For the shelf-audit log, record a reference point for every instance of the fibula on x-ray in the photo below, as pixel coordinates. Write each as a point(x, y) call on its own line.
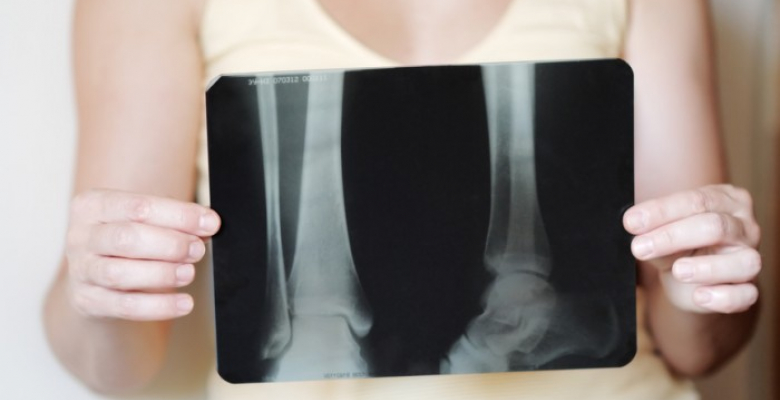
point(408, 221)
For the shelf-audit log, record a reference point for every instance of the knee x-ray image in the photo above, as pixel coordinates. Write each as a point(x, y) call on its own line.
point(422, 220)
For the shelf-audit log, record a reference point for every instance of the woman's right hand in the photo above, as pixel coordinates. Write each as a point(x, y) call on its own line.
point(127, 253)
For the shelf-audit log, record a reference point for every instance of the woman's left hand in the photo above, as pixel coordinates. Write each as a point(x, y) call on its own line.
point(703, 243)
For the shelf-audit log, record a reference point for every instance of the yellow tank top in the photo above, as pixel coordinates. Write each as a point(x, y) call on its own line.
point(240, 36)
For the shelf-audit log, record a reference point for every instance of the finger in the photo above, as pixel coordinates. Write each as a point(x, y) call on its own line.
point(128, 274)
point(145, 242)
point(136, 306)
point(726, 298)
point(107, 206)
point(695, 232)
point(652, 214)
point(737, 267)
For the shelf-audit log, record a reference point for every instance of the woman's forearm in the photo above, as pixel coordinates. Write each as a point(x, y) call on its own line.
point(693, 344)
point(695, 237)
point(108, 355)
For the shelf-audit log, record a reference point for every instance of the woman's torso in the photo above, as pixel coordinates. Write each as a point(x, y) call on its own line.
point(269, 35)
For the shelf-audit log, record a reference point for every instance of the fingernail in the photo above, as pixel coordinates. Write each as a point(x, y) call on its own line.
point(197, 250)
point(185, 273)
point(643, 247)
point(635, 220)
point(209, 222)
point(683, 270)
point(184, 304)
point(702, 297)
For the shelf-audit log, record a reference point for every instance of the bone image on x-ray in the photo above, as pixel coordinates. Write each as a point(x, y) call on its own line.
point(316, 315)
point(519, 300)
point(315, 322)
point(525, 323)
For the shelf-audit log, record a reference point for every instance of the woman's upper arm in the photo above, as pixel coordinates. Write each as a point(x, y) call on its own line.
point(138, 74)
point(678, 144)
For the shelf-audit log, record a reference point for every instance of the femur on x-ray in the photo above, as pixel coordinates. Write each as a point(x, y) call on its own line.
point(401, 229)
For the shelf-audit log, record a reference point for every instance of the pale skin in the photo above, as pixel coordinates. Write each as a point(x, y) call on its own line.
point(134, 233)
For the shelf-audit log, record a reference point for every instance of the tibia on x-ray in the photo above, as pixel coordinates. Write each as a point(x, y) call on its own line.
point(275, 317)
point(327, 304)
point(519, 301)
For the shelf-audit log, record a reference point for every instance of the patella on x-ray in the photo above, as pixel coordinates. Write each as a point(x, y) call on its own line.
point(425, 220)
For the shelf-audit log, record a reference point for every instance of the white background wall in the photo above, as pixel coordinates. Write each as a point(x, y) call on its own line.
point(36, 146)
point(37, 140)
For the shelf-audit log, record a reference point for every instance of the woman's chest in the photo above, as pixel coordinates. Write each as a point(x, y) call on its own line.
point(417, 31)
point(267, 35)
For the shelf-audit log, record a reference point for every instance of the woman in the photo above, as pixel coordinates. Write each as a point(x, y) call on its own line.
point(141, 67)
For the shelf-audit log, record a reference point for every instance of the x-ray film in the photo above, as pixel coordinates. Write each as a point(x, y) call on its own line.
point(422, 220)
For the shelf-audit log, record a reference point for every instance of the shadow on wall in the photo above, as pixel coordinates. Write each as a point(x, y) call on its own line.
point(747, 38)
